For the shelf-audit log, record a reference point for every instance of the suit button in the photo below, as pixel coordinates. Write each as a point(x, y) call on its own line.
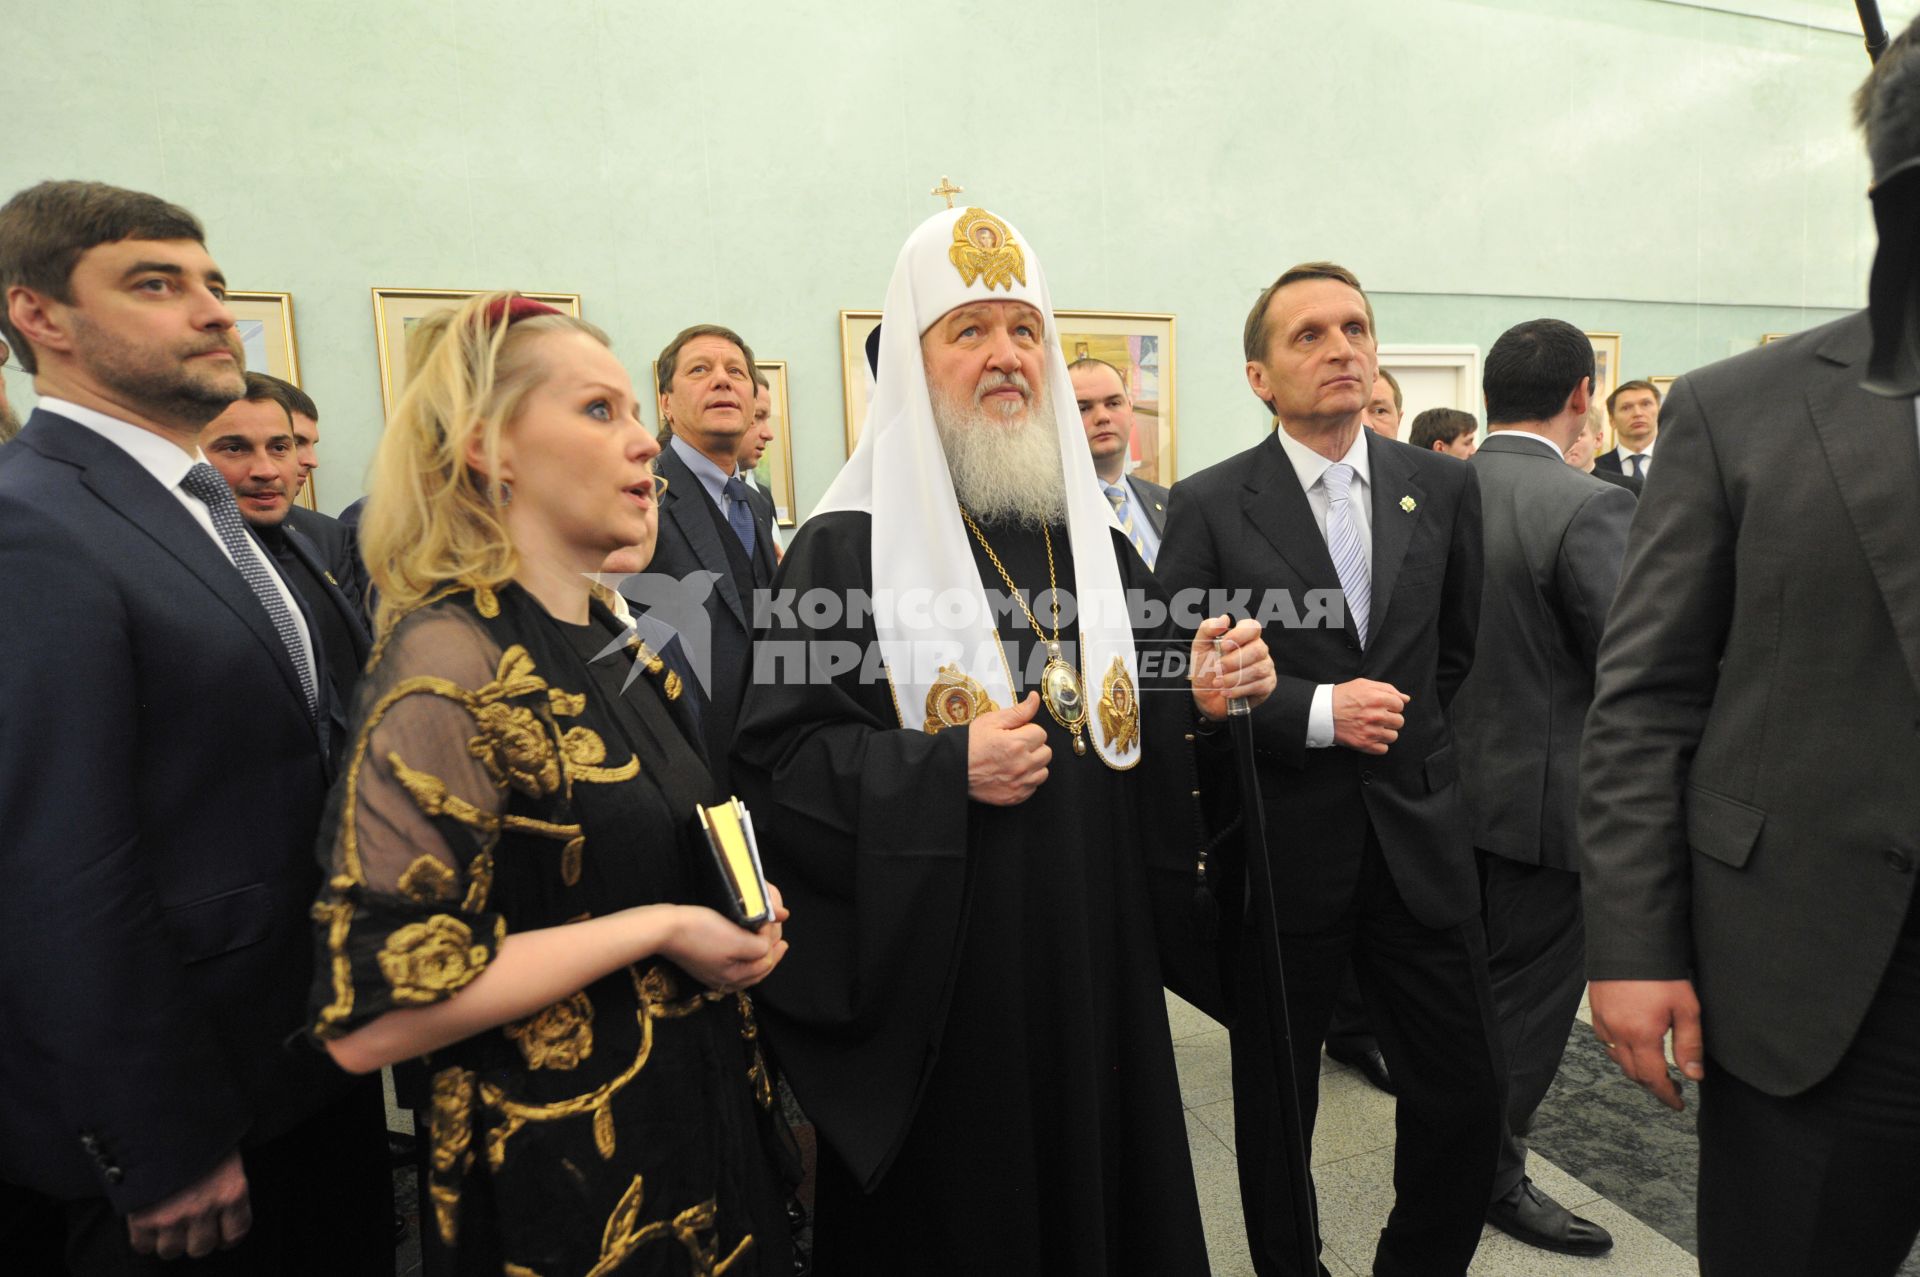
point(1899, 861)
point(88, 1142)
point(114, 1175)
point(1366, 777)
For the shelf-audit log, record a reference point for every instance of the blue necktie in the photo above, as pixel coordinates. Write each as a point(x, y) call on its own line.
point(1639, 460)
point(739, 513)
point(203, 481)
point(1343, 543)
point(1117, 498)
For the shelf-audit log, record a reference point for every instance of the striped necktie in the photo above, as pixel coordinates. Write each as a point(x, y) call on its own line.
point(1343, 543)
point(1123, 510)
point(206, 483)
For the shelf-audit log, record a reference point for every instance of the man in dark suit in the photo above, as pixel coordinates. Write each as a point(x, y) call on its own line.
point(708, 520)
point(753, 446)
point(252, 444)
point(1634, 410)
point(9, 420)
point(334, 538)
point(163, 760)
point(1554, 541)
point(1372, 862)
point(1106, 413)
point(1750, 822)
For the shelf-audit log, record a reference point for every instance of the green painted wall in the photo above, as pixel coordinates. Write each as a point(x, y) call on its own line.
point(1477, 162)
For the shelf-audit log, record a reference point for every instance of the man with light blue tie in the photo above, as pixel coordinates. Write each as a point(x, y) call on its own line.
point(708, 520)
point(1106, 411)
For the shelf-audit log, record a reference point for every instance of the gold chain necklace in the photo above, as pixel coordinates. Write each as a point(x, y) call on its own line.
point(1060, 688)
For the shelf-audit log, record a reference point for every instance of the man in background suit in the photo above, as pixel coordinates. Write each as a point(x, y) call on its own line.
point(9, 420)
point(1386, 406)
point(163, 761)
point(252, 444)
point(708, 520)
point(1106, 413)
point(1634, 409)
point(334, 538)
point(753, 446)
point(1372, 862)
point(1554, 541)
point(1750, 822)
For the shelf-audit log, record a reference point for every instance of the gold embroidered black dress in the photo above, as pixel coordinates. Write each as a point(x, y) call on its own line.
point(498, 783)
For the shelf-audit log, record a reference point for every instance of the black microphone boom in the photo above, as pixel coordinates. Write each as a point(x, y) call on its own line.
point(1875, 29)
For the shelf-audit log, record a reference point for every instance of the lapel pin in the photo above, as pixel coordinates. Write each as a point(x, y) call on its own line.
point(1407, 504)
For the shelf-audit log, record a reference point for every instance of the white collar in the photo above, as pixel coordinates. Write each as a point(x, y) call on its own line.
point(1507, 432)
point(1309, 466)
point(157, 455)
point(1625, 452)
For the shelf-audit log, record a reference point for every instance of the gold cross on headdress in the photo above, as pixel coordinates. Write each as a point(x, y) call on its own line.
point(947, 188)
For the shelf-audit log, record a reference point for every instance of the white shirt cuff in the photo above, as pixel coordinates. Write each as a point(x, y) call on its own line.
point(1320, 718)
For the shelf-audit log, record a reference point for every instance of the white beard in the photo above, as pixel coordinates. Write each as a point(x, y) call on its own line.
point(1005, 462)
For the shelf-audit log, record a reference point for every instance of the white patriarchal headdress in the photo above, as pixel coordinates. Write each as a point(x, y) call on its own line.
point(898, 473)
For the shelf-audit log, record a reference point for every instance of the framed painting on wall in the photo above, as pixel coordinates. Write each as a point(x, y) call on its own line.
point(1664, 385)
point(856, 377)
point(1606, 363)
point(264, 324)
point(1767, 339)
point(774, 474)
point(1140, 345)
point(397, 310)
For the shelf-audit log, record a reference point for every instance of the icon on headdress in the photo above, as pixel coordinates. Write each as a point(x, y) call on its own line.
point(983, 249)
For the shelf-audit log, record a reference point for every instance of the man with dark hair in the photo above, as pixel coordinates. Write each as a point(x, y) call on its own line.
point(1634, 409)
point(1447, 430)
point(709, 521)
point(1749, 824)
point(1106, 414)
point(1385, 406)
point(334, 538)
point(1358, 768)
point(9, 420)
point(753, 446)
point(253, 446)
point(163, 761)
point(1554, 539)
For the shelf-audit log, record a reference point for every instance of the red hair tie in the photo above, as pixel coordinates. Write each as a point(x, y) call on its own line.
point(515, 308)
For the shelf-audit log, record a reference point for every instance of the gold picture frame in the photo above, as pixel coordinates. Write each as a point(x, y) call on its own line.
point(395, 308)
point(1767, 339)
point(774, 474)
point(264, 323)
point(1143, 345)
point(1606, 363)
point(1663, 386)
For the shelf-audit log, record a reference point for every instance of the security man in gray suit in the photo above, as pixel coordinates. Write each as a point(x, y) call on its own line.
point(1554, 541)
point(1750, 821)
point(1106, 412)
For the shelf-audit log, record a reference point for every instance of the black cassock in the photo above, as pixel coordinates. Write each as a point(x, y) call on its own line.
point(971, 1011)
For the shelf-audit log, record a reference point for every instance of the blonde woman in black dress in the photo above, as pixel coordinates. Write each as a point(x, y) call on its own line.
point(516, 892)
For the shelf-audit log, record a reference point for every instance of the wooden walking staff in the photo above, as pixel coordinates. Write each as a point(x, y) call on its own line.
point(1306, 1226)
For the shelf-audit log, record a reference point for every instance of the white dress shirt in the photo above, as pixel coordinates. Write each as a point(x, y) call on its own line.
point(168, 464)
point(1311, 469)
point(1626, 466)
point(1506, 432)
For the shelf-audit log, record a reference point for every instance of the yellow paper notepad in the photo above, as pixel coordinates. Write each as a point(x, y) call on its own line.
point(729, 830)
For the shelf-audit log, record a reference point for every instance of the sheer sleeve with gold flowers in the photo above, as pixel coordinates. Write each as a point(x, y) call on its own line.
point(442, 737)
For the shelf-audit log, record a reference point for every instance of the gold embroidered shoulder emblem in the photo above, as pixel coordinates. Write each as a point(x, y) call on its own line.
point(983, 249)
point(1119, 709)
point(954, 699)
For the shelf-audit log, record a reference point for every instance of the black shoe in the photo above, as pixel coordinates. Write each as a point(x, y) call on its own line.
point(1529, 1215)
point(1372, 1064)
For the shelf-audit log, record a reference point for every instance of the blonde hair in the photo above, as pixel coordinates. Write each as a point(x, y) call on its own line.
point(432, 520)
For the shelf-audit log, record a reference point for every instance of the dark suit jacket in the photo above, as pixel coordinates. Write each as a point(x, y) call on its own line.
point(1153, 498)
point(339, 551)
point(352, 619)
point(1609, 461)
point(1617, 479)
point(1554, 540)
point(690, 542)
point(1750, 815)
point(160, 790)
point(1245, 525)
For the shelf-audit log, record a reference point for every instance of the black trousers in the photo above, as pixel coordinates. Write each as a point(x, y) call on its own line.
point(1349, 1030)
point(1428, 998)
point(322, 1200)
point(1536, 961)
point(1827, 1181)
